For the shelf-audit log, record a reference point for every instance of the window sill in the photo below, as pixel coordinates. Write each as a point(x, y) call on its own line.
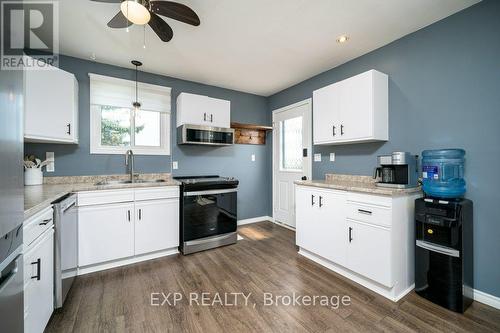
point(136, 151)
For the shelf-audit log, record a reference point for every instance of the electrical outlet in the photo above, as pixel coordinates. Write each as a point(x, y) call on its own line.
point(332, 157)
point(175, 165)
point(317, 157)
point(253, 157)
point(49, 156)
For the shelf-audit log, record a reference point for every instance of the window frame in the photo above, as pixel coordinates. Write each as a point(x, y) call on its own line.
point(95, 126)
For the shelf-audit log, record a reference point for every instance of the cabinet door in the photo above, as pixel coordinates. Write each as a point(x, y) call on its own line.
point(369, 252)
point(305, 218)
point(156, 225)
point(219, 112)
point(332, 239)
point(105, 232)
point(191, 109)
point(356, 105)
point(321, 223)
point(39, 283)
point(326, 113)
point(50, 106)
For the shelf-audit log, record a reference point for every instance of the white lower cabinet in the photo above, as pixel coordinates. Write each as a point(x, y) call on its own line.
point(320, 223)
point(105, 232)
point(369, 251)
point(113, 233)
point(156, 225)
point(365, 237)
point(39, 282)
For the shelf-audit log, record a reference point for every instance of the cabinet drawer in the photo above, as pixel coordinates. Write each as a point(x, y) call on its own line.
point(105, 197)
point(369, 213)
point(37, 224)
point(165, 192)
point(370, 199)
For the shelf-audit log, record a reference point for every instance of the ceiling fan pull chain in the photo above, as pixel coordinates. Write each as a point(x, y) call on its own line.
point(144, 38)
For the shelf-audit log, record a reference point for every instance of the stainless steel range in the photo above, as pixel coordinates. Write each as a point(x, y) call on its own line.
point(208, 212)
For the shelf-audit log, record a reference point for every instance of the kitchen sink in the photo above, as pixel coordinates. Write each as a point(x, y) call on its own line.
point(136, 181)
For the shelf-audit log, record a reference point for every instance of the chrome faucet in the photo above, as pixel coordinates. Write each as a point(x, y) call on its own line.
point(129, 161)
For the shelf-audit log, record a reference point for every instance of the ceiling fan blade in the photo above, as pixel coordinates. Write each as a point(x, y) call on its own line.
point(161, 28)
point(176, 11)
point(108, 1)
point(119, 21)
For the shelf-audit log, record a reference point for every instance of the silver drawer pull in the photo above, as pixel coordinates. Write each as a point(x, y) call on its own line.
point(363, 211)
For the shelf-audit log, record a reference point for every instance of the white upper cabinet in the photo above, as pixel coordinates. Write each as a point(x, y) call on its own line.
point(201, 110)
point(51, 106)
point(352, 110)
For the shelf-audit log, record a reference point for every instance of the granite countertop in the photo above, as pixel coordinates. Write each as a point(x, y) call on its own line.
point(362, 184)
point(38, 197)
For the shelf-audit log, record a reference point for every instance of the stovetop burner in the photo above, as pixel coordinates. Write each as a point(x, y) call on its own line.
point(191, 183)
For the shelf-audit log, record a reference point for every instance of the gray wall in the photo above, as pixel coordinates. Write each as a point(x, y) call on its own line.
point(444, 91)
point(193, 160)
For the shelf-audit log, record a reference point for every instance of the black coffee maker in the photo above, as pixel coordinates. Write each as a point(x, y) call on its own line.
point(398, 170)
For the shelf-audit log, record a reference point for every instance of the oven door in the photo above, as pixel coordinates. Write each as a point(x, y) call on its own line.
point(209, 213)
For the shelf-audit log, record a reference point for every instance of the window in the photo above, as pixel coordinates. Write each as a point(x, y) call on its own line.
point(291, 141)
point(117, 127)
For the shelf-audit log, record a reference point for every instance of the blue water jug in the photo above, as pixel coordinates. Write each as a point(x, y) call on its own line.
point(443, 173)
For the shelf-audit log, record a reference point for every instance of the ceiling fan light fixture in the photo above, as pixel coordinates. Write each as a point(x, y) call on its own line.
point(342, 39)
point(135, 11)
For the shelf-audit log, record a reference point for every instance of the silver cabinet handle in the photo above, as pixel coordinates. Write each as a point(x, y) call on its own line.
point(333, 130)
point(363, 211)
point(320, 201)
point(205, 116)
point(140, 214)
point(211, 118)
point(350, 234)
point(312, 200)
point(69, 129)
point(128, 215)
point(341, 129)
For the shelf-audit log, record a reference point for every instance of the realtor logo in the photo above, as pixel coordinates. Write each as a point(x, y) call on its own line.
point(29, 28)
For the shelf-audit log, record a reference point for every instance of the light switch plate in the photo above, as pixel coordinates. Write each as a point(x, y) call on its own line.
point(175, 165)
point(253, 157)
point(332, 157)
point(317, 157)
point(50, 157)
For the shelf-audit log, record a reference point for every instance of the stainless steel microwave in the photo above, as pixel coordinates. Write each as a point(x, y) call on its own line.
point(204, 135)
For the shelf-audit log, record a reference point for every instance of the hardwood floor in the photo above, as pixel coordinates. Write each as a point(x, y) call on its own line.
point(266, 261)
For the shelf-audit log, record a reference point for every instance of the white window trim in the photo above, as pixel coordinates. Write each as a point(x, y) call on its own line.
point(165, 127)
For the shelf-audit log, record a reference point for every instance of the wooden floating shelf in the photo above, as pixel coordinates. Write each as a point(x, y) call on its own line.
point(250, 134)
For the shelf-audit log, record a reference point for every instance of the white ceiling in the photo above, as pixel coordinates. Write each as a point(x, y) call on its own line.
point(257, 46)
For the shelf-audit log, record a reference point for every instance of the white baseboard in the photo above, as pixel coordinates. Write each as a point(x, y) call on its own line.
point(482, 297)
point(254, 220)
point(283, 225)
point(126, 261)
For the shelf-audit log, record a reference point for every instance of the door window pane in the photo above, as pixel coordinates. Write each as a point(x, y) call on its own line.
point(291, 144)
point(147, 128)
point(115, 126)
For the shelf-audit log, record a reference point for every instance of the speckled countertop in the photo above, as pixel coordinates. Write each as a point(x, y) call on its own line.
point(362, 184)
point(38, 197)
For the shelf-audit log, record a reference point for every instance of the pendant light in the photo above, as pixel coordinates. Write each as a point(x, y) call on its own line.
point(136, 104)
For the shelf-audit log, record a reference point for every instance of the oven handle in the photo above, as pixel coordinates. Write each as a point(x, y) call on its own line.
point(192, 194)
point(438, 248)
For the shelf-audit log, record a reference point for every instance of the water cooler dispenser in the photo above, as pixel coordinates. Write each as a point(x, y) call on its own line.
point(444, 232)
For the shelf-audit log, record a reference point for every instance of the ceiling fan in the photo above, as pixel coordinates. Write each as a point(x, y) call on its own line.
point(143, 12)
